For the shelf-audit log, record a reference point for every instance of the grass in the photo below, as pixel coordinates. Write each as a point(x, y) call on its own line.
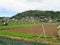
point(13, 24)
point(18, 34)
point(58, 39)
point(22, 35)
point(59, 32)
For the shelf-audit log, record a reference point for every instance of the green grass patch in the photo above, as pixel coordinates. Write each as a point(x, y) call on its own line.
point(58, 32)
point(18, 24)
point(58, 39)
point(45, 37)
point(23, 35)
point(18, 34)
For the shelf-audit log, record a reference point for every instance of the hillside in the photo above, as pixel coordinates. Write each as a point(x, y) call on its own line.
point(37, 14)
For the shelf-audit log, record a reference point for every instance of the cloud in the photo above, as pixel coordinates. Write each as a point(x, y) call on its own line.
point(19, 5)
point(52, 3)
point(16, 6)
point(31, 1)
point(22, 5)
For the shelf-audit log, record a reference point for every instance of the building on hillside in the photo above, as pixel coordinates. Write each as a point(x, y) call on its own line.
point(5, 20)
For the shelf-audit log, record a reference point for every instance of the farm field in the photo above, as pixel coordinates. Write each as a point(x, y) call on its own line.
point(31, 30)
point(50, 29)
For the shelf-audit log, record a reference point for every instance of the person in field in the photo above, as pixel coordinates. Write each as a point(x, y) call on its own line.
point(5, 23)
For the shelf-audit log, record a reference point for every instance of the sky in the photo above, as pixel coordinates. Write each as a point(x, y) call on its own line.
point(9, 8)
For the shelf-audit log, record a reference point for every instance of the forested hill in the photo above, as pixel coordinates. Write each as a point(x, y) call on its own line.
point(39, 14)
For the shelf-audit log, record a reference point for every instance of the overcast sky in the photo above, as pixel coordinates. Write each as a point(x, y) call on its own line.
point(11, 7)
